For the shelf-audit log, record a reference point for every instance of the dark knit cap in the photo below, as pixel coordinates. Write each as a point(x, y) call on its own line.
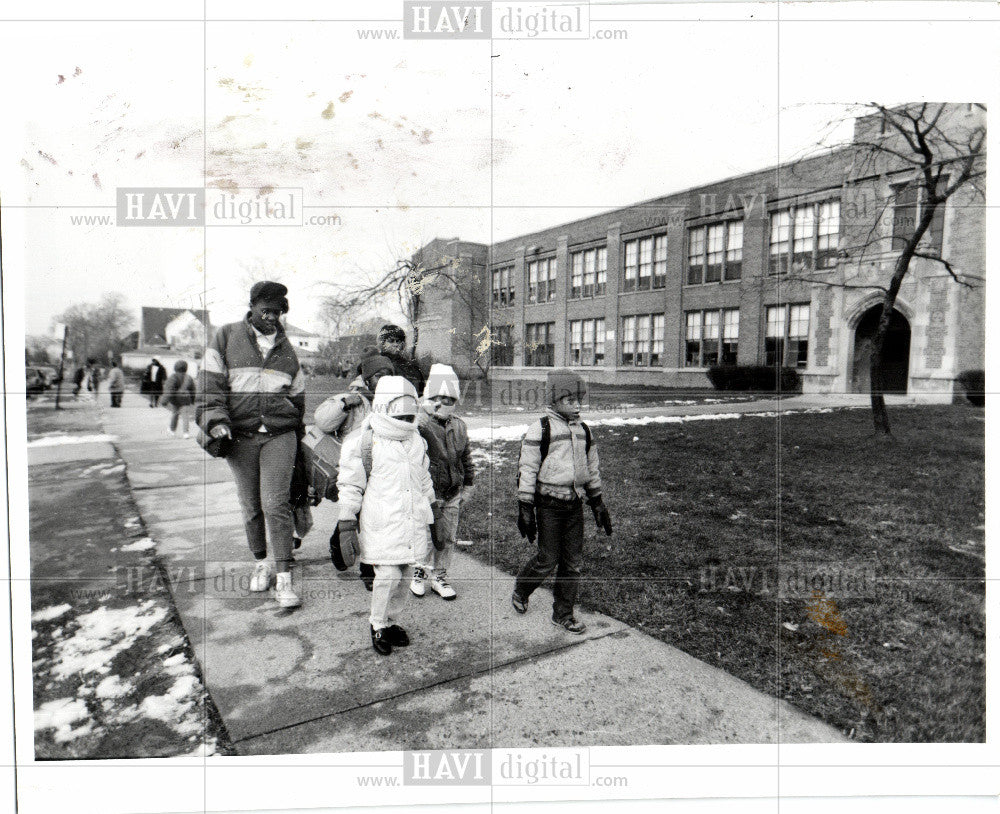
point(181, 366)
point(374, 364)
point(562, 383)
point(391, 333)
point(267, 290)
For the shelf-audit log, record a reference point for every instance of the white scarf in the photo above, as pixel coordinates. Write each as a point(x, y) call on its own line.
point(385, 426)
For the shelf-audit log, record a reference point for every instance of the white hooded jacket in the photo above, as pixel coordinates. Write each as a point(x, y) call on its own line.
point(393, 505)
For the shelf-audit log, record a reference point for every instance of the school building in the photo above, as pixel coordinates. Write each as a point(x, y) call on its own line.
point(777, 267)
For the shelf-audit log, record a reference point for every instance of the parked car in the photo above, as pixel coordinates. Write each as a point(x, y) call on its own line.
point(35, 383)
point(50, 374)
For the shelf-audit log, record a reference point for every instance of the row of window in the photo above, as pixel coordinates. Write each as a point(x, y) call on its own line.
point(802, 238)
point(711, 337)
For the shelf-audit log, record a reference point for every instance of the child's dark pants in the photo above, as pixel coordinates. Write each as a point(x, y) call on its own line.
point(560, 549)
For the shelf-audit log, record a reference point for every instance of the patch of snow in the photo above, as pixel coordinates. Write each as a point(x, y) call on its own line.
point(58, 440)
point(144, 544)
point(204, 749)
point(60, 714)
point(48, 614)
point(176, 641)
point(102, 635)
point(176, 706)
point(174, 660)
point(112, 687)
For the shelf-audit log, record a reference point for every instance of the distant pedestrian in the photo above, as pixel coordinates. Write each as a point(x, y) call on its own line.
point(451, 468)
point(116, 384)
point(95, 376)
point(392, 344)
point(179, 395)
point(558, 466)
point(387, 507)
point(252, 390)
point(153, 379)
point(79, 376)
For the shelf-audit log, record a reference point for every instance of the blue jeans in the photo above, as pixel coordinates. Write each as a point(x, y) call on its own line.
point(262, 467)
point(560, 549)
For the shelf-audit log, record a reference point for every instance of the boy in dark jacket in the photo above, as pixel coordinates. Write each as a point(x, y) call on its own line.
point(178, 395)
point(451, 468)
point(552, 483)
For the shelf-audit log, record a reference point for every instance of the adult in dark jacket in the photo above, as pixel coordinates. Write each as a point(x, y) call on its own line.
point(153, 379)
point(251, 389)
point(392, 344)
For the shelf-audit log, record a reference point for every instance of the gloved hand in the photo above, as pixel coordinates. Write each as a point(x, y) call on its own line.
point(601, 515)
point(348, 530)
point(221, 431)
point(437, 539)
point(526, 520)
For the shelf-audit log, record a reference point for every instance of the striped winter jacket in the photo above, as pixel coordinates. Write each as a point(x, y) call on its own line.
point(568, 470)
point(239, 387)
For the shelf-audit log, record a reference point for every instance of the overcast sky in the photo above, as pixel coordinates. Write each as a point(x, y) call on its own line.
point(403, 140)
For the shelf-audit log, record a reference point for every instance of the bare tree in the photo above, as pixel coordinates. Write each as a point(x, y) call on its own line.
point(98, 330)
point(933, 156)
point(406, 286)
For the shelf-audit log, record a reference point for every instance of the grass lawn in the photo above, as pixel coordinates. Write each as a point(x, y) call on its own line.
point(855, 591)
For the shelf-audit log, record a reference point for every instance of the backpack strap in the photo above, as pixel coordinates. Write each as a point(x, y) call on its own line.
point(587, 435)
point(546, 438)
point(366, 450)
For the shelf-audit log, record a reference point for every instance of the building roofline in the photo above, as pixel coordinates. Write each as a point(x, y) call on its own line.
point(659, 199)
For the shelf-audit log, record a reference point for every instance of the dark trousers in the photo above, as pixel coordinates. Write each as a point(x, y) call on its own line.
point(116, 398)
point(560, 549)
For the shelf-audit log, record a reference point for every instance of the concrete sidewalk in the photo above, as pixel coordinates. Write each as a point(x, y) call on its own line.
point(476, 675)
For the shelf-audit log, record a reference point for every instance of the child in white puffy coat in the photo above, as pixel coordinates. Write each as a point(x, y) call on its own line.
point(388, 512)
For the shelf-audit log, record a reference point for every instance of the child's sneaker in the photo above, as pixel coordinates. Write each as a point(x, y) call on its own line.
point(520, 603)
point(380, 641)
point(417, 587)
point(261, 579)
point(441, 586)
point(396, 635)
point(283, 592)
point(570, 623)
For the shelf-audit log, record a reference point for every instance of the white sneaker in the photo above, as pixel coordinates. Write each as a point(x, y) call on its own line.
point(261, 579)
point(283, 592)
point(417, 583)
point(442, 587)
point(187, 435)
point(171, 433)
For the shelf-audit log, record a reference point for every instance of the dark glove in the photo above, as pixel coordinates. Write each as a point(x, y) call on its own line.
point(601, 515)
point(437, 539)
point(352, 400)
point(349, 536)
point(526, 520)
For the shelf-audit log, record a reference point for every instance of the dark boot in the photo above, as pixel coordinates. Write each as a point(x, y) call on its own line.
point(397, 636)
point(380, 641)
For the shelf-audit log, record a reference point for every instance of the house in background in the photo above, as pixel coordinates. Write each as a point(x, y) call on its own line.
point(170, 334)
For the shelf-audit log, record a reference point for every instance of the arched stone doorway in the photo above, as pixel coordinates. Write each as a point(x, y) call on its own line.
point(896, 354)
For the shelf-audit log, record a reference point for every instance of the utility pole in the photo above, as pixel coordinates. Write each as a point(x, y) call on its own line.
point(62, 361)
